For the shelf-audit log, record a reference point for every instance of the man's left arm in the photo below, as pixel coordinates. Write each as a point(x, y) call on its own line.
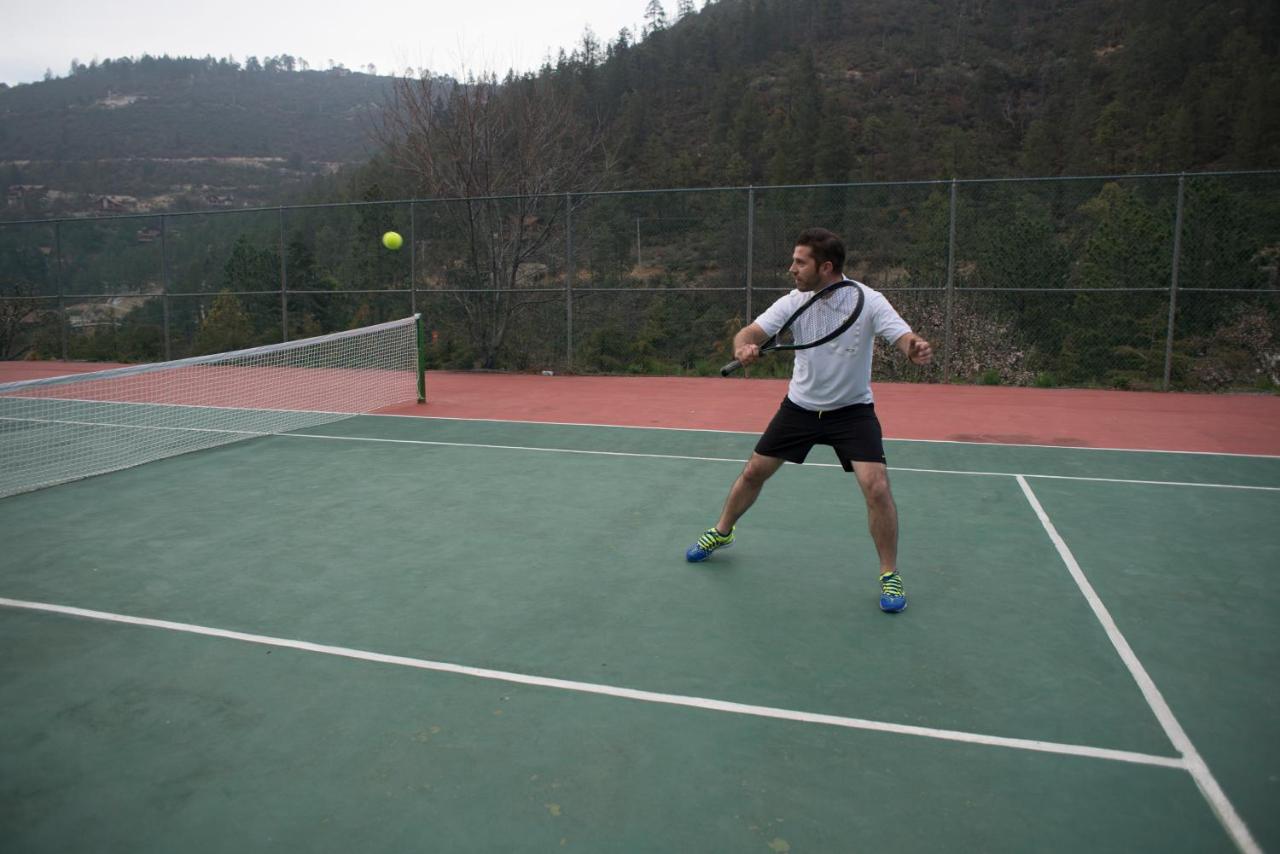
point(915, 348)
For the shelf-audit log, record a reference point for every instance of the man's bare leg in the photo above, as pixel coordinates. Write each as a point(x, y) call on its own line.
point(743, 493)
point(882, 513)
point(882, 519)
point(746, 489)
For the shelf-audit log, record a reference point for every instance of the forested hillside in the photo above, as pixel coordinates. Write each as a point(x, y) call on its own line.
point(181, 133)
point(739, 92)
point(176, 108)
point(782, 91)
point(524, 252)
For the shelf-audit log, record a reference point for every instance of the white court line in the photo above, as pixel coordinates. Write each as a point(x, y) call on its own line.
point(1144, 482)
point(614, 691)
point(159, 405)
point(690, 429)
point(67, 423)
point(757, 432)
point(740, 461)
point(253, 433)
point(1195, 764)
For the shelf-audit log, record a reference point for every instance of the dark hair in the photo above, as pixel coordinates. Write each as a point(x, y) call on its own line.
point(825, 247)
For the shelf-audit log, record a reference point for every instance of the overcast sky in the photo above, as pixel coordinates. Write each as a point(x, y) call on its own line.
point(480, 35)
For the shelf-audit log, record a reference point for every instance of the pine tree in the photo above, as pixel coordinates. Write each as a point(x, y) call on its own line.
point(1040, 151)
point(747, 132)
point(655, 17)
point(804, 115)
point(833, 154)
point(226, 326)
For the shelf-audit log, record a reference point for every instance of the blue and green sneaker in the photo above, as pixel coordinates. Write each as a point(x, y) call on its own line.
point(892, 598)
point(707, 543)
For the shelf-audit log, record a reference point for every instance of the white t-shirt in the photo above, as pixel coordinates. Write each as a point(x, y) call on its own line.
point(837, 373)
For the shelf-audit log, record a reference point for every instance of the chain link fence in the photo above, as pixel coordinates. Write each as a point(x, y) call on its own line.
point(1154, 281)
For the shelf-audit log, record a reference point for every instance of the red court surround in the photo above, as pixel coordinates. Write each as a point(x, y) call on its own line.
point(1225, 423)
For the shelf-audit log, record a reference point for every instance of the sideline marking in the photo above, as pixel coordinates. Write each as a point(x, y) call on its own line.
point(741, 461)
point(614, 691)
point(757, 433)
point(1195, 764)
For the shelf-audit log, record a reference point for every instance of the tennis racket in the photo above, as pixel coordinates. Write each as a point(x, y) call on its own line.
point(824, 316)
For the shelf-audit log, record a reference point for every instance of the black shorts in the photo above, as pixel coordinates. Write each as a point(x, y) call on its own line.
point(854, 432)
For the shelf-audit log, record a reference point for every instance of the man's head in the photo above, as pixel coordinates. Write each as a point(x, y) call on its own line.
point(817, 260)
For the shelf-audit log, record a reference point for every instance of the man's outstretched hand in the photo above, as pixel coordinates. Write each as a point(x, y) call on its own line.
point(919, 351)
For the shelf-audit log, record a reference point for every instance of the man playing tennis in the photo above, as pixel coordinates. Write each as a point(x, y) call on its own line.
point(828, 402)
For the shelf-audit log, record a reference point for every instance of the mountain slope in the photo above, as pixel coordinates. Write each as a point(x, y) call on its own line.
point(740, 92)
point(165, 131)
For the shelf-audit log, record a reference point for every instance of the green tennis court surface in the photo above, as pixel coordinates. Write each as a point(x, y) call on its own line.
point(263, 649)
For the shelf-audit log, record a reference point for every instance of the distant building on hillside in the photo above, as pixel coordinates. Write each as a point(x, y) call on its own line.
point(115, 204)
point(19, 192)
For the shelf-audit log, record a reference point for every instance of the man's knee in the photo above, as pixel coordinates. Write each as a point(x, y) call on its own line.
point(875, 486)
point(759, 469)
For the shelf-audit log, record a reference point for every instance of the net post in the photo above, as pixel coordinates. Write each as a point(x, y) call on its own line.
point(422, 357)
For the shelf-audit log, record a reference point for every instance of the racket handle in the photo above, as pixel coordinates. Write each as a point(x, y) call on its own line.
point(730, 368)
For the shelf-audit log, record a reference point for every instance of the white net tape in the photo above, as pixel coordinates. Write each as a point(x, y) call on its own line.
point(65, 428)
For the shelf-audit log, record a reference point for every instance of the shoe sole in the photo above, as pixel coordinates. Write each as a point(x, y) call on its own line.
point(894, 610)
point(708, 554)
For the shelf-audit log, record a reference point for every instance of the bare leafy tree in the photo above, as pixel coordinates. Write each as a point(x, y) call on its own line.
point(21, 315)
point(506, 154)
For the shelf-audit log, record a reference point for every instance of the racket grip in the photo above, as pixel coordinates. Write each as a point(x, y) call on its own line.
point(730, 368)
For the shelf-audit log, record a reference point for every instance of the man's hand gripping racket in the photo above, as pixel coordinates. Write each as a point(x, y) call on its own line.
point(822, 317)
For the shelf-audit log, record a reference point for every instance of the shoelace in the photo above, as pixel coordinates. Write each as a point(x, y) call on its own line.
point(711, 539)
point(891, 584)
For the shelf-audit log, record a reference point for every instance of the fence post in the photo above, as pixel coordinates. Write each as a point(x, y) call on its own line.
point(951, 273)
point(1173, 281)
point(413, 259)
point(751, 232)
point(164, 284)
point(284, 284)
point(569, 274)
point(62, 301)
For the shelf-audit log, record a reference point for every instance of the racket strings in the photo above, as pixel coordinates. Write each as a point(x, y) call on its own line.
point(825, 316)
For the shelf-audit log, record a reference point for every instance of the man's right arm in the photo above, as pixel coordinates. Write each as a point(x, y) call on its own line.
point(746, 344)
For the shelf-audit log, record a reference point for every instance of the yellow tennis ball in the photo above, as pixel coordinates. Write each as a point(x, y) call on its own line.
point(392, 240)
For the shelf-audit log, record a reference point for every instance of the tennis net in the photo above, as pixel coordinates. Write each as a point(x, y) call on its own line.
point(65, 428)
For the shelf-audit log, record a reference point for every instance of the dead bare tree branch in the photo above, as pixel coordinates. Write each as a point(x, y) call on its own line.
point(501, 157)
point(22, 313)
